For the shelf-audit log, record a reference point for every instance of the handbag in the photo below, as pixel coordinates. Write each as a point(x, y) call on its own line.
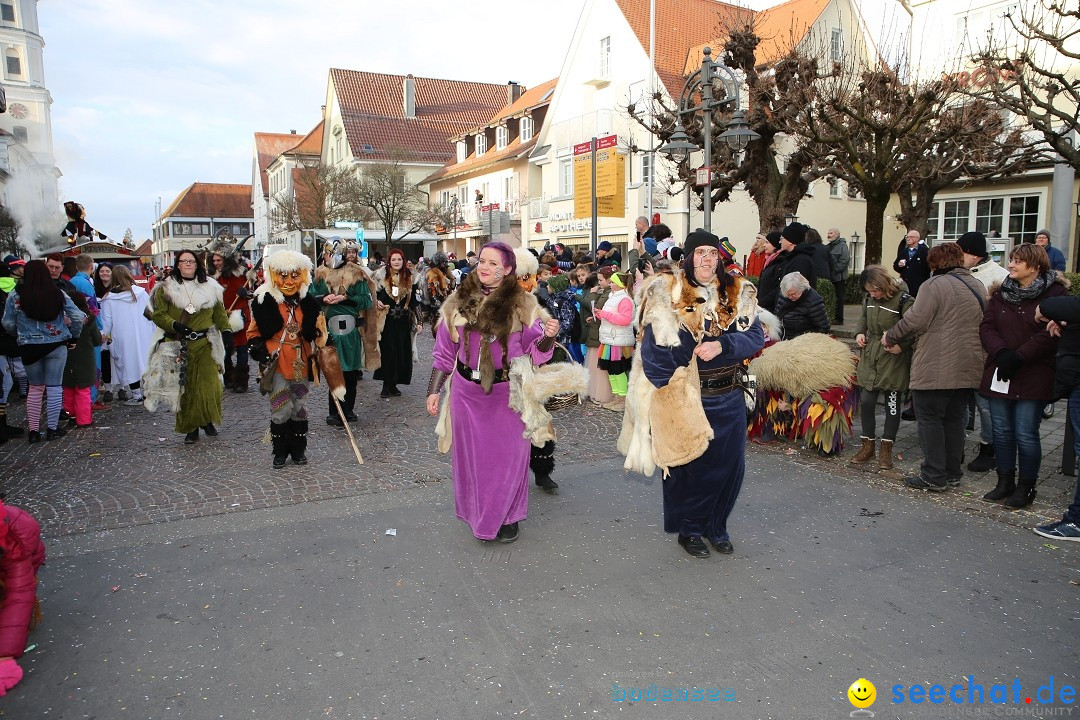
point(680, 430)
point(266, 375)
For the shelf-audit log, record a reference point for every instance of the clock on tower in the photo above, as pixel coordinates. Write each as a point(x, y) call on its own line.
point(18, 111)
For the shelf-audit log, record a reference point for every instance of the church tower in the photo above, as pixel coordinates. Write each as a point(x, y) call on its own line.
point(26, 143)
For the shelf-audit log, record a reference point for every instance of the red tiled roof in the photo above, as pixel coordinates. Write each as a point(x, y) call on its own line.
point(312, 142)
point(146, 249)
point(267, 147)
point(212, 200)
point(528, 100)
point(372, 109)
point(680, 24)
point(780, 28)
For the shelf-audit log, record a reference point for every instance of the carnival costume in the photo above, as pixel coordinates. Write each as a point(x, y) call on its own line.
point(687, 415)
point(77, 227)
point(438, 284)
point(397, 320)
point(282, 334)
point(352, 324)
point(486, 346)
point(235, 297)
point(187, 355)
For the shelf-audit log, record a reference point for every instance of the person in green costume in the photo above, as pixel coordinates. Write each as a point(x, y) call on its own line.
point(187, 359)
point(346, 294)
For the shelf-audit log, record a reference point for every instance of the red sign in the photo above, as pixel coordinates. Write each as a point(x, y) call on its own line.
point(583, 148)
point(608, 141)
point(492, 206)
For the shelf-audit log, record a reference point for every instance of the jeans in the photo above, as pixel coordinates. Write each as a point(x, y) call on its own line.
point(940, 419)
point(1016, 432)
point(868, 410)
point(1073, 513)
point(49, 370)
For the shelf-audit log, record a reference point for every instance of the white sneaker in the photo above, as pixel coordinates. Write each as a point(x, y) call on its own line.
point(136, 399)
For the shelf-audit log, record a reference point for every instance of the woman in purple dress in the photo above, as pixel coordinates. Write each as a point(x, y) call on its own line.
point(488, 322)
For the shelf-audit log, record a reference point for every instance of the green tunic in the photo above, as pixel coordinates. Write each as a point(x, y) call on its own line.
point(200, 399)
point(350, 348)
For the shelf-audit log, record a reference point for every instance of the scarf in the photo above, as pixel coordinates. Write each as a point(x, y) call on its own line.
point(1011, 292)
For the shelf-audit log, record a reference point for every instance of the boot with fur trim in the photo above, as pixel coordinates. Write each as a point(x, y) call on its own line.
point(280, 440)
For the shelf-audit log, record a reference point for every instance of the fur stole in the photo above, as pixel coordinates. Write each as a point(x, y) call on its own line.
point(439, 283)
point(341, 279)
point(267, 321)
point(506, 310)
point(338, 281)
point(382, 280)
point(801, 367)
point(203, 295)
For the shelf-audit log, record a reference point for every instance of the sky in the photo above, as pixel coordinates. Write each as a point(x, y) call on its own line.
point(149, 97)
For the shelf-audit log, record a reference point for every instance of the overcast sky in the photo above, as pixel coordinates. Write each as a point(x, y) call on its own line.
point(149, 97)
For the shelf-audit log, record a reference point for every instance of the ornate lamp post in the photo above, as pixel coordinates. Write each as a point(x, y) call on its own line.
point(737, 134)
point(855, 240)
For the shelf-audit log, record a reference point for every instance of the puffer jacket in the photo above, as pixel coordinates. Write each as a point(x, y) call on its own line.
point(945, 319)
point(1067, 366)
point(805, 315)
point(37, 332)
point(879, 369)
point(21, 554)
point(616, 319)
point(1010, 326)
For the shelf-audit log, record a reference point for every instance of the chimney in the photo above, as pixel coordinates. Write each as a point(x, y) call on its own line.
point(292, 132)
point(513, 92)
point(409, 96)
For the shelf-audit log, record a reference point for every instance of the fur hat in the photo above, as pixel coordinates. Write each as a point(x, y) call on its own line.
point(794, 233)
point(527, 264)
point(973, 243)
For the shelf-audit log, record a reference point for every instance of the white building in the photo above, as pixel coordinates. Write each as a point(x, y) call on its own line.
point(198, 214)
point(607, 65)
point(28, 172)
point(268, 147)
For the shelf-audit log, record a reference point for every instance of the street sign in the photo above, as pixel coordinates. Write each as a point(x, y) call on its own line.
point(346, 224)
point(703, 176)
point(307, 238)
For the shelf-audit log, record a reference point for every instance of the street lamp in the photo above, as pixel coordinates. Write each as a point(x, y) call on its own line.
point(737, 133)
point(790, 218)
point(855, 240)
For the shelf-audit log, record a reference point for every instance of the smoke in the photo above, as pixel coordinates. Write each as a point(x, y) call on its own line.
point(30, 197)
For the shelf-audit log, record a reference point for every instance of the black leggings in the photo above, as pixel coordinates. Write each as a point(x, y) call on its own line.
point(868, 411)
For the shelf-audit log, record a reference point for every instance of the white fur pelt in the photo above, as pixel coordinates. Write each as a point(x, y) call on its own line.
point(810, 363)
point(635, 437)
point(531, 387)
point(774, 329)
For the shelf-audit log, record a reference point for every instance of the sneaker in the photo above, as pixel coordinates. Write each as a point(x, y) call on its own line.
point(100, 407)
point(1061, 530)
point(917, 482)
point(1048, 411)
point(955, 482)
point(134, 400)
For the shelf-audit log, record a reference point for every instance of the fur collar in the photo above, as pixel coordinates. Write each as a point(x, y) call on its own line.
point(669, 303)
point(506, 310)
point(339, 280)
point(202, 295)
point(382, 279)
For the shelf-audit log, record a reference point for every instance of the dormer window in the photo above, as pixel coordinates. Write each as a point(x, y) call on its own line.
point(502, 137)
point(481, 144)
point(525, 129)
point(462, 151)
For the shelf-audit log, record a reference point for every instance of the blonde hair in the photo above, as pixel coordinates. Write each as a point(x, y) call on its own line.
point(122, 280)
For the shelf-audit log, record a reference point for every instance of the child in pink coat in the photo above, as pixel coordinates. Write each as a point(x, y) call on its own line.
point(21, 554)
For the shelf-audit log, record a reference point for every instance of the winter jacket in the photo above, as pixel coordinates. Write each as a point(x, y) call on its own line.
point(1010, 326)
point(612, 258)
point(81, 369)
point(617, 318)
point(841, 259)
point(755, 263)
point(21, 554)
point(37, 332)
point(822, 262)
point(916, 269)
point(590, 331)
point(769, 282)
point(1057, 259)
point(1065, 309)
point(945, 319)
point(805, 315)
point(879, 369)
point(563, 307)
point(989, 273)
point(800, 260)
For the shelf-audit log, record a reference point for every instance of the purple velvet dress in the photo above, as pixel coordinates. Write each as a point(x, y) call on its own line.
point(489, 453)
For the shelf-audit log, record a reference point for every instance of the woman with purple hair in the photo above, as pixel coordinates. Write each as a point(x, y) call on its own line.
point(488, 322)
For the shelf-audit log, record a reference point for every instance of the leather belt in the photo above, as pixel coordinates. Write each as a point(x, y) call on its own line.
point(466, 372)
point(719, 382)
point(191, 335)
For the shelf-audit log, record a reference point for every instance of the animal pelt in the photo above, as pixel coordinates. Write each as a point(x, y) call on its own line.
point(203, 295)
point(506, 310)
point(439, 284)
point(774, 329)
point(339, 280)
point(669, 302)
point(680, 430)
point(330, 367)
point(531, 387)
point(160, 382)
point(808, 364)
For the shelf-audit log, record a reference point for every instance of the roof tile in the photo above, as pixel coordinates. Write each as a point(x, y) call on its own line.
point(212, 200)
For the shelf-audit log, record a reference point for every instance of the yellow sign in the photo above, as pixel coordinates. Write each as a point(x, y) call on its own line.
point(610, 184)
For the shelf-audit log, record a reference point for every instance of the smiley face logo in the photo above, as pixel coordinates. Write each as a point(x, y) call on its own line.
point(862, 693)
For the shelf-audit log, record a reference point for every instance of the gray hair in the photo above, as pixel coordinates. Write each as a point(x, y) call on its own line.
point(794, 281)
point(644, 219)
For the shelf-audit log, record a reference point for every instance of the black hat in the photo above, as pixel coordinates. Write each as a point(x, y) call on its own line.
point(794, 233)
point(774, 239)
point(700, 238)
point(973, 243)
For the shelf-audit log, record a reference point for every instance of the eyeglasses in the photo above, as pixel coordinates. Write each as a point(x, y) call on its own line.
point(185, 262)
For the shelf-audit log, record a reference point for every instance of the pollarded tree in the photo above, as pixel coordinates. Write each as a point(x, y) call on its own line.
point(321, 195)
point(397, 204)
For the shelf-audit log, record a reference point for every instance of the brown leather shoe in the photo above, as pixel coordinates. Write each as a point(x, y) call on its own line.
point(865, 452)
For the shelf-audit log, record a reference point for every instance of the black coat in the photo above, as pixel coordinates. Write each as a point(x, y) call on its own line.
point(769, 284)
point(801, 260)
point(822, 261)
point(916, 271)
point(1065, 308)
point(805, 315)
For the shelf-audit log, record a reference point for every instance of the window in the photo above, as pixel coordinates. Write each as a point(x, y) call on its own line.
point(956, 219)
point(989, 215)
point(502, 137)
point(481, 144)
point(462, 152)
point(510, 190)
point(19, 132)
point(566, 177)
point(836, 46)
point(14, 64)
point(605, 57)
point(932, 222)
point(646, 163)
point(834, 188)
point(1023, 218)
point(7, 12)
point(525, 129)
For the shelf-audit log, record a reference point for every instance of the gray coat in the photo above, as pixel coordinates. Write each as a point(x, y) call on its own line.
point(841, 259)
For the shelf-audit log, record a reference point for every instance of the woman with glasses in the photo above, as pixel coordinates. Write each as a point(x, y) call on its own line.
point(187, 360)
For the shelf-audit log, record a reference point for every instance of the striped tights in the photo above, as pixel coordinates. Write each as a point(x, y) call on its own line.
point(54, 395)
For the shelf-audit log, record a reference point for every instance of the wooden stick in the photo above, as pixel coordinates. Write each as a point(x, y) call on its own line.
point(348, 430)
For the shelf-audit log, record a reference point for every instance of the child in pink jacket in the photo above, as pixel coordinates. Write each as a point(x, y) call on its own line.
point(21, 554)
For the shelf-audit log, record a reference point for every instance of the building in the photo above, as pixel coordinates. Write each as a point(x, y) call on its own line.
point(28, 172)
point(290, 178)
point(268, 147)
point(491, 162)
point(607, 66)
point(200, 212)
point(372, 118)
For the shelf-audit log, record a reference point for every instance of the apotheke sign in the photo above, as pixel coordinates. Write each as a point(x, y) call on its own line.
point(567, 222)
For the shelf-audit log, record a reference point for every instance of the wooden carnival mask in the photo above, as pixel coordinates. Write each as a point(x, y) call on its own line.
point(289, 282)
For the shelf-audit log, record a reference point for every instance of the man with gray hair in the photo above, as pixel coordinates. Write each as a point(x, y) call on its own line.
point(840, 261)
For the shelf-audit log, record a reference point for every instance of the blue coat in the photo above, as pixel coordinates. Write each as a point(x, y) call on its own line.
point(38, 332)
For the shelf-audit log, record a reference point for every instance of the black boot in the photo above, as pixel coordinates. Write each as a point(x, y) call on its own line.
point(1006, 484)
point(1024, 494)
point(241, 376)
point(542, 463)
point(298, 446)
point(280, 440)
point(984, 460)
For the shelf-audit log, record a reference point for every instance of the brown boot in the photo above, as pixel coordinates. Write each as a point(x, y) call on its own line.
point(865, 452)
point(884, 458)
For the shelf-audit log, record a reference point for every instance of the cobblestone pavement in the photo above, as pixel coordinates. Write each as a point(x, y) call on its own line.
point(132, 469)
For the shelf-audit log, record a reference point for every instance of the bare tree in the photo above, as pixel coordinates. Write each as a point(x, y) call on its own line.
point(398, 205)
point(321, 195)
point(9, 234)
point(775, 178)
